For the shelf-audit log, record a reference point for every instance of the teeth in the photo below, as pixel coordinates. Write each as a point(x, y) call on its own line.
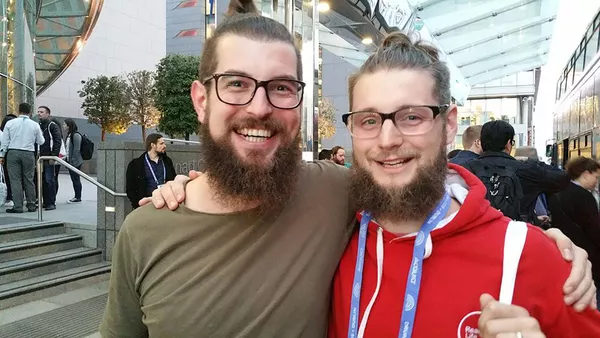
point(262, 133)
point(255, 139)
point(397, 163)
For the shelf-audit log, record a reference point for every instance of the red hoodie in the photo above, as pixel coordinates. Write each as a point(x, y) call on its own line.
point(464, 260)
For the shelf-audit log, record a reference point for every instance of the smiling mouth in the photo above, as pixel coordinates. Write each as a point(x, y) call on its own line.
point(395, 163)
point(255, 135)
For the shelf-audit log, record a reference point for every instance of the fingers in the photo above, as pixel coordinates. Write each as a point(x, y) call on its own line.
point(178, 190)
point(587, 290)
point(496, 310)
point(497, 318)
point(565, 245)
point(485, 299)
point(524, 334)
point(509, 326)
point(194, 174)
point(156, 199)
point(145, 201)
point(577, 284)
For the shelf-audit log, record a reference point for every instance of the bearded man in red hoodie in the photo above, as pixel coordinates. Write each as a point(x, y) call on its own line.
point(429, 242)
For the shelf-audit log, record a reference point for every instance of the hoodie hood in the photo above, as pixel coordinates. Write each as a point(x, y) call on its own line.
point(475, 210)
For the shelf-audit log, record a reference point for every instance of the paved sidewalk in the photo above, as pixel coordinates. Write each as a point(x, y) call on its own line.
point(75, 314)
point(80, 213)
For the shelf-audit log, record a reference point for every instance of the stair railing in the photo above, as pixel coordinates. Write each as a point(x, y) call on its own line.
point(40, 168)
point(176, 140)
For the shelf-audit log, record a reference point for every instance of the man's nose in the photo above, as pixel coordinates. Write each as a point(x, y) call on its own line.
point(390, 136)
point(260, 105)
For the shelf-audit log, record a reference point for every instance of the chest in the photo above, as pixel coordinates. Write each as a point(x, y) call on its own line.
point(453, 278)
point(253, 280)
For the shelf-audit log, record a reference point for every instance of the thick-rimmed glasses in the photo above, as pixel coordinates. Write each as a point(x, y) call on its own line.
point(239, 90)
point(413, 120)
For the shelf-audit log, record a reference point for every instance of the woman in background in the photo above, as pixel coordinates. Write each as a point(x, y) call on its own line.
point(575, 210)
point(73, 157)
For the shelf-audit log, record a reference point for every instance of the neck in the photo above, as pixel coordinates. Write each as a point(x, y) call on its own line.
point(412, 226)
point(153, 155)
point(475, 150)
point(580, 183)
point(201, 197)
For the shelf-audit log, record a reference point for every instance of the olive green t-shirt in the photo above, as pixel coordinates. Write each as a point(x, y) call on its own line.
point(191, 274)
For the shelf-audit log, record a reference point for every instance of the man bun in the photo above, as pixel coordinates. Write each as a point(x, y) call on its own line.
point(241, 7)
point(403, 41)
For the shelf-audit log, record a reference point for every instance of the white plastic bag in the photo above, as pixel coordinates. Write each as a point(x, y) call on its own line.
point(3, 188)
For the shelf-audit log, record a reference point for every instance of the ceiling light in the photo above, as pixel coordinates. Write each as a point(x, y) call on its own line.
point(367, 41)
point(323, 7)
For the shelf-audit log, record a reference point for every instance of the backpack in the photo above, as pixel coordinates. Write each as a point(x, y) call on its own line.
point(503, 187)
point(87, 147)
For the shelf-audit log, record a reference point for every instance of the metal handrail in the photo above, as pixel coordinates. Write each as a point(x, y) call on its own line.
point(180, 141)
point(72, 168)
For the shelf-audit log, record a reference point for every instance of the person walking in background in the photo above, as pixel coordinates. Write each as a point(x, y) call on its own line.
point(8, 202)
point(17, 147)
point(73, 156)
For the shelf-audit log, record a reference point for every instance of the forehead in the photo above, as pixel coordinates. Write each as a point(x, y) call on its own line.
point(262, 60)
point(387, 90)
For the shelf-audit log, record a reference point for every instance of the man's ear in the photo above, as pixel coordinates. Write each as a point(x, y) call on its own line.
point(199, 95)
point(451, 124)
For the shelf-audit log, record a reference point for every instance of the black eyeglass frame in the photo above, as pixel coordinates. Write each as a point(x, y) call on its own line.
point(437, 110)
point(258, 84)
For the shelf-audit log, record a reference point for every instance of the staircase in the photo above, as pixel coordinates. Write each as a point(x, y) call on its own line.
point(40, 256)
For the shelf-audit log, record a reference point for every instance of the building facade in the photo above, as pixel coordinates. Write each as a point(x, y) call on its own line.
point(128, 36)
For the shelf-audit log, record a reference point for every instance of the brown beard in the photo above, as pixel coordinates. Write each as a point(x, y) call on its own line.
point(411, 202)
point(238, 183)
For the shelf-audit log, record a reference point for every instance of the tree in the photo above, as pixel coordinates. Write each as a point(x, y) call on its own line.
point(105, 104)
point(174, 76)
point(140, 93)
point(326, 119)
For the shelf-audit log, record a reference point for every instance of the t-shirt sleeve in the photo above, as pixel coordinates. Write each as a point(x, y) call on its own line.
point(546, 273)
point(123, 315)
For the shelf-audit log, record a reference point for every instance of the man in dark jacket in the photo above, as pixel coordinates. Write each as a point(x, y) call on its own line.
point(149, 171)
point(535, 177)
point(51, 147)
point(471, 145)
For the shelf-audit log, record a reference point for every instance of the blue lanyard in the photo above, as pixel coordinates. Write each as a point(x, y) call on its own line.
point(413, 283)
point(152, 170)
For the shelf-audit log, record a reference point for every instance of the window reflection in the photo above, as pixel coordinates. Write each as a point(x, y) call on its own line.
point(480, 111)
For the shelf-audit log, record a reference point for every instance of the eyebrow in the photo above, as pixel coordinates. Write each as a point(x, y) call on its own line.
point(277, 77)
point(371, 109)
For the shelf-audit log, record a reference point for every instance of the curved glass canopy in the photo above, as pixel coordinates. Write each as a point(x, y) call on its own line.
point(490, 39)
point(62, 27)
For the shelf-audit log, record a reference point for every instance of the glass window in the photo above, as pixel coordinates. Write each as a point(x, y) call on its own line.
point(591, 49)
point(597, 99)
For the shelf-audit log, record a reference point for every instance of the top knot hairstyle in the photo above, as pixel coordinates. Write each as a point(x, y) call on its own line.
point(398, 51)
point(243, 19)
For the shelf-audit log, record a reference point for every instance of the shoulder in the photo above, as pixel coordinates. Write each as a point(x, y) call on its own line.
point(326, 169)
point(147, 224)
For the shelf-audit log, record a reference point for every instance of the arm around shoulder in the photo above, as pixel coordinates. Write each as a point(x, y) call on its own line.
point(123, 315)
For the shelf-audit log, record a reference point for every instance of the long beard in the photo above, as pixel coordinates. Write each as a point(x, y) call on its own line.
point(413, 201)
point(238, 183)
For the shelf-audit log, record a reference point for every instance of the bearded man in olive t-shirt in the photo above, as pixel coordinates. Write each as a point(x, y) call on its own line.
point(253, 250)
